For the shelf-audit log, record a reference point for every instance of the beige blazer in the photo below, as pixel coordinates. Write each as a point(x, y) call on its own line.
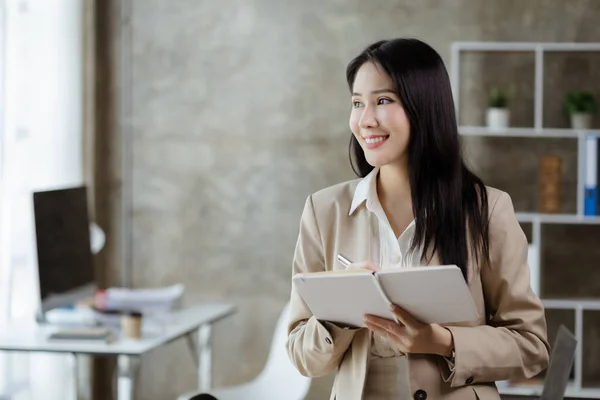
point(509, 340)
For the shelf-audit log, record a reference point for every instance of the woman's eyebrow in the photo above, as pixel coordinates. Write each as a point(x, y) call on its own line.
point(378, 91)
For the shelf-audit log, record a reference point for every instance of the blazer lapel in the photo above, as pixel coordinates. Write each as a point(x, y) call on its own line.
point(358, 246)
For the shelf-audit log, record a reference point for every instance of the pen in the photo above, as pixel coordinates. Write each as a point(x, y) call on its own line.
point(343, 260)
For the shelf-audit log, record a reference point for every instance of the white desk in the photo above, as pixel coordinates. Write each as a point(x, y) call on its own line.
point(33, 338)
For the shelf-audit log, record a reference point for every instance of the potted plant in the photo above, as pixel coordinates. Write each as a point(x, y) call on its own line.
point(498, 114)
point(580, 105)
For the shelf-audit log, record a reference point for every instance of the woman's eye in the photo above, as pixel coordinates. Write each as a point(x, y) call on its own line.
point(356, 104)
point(384, 101)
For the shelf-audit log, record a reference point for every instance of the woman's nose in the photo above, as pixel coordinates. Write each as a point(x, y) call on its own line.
point(367, 119)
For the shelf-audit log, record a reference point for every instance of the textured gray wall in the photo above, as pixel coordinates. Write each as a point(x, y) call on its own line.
point(239, 111)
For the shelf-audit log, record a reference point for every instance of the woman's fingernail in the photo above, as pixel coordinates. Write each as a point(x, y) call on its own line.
point(392, 307)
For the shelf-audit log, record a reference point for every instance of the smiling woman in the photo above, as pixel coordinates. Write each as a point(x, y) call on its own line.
point(406, 92)
point(416, 203)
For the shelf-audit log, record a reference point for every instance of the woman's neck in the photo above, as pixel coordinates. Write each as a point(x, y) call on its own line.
point(393, 186)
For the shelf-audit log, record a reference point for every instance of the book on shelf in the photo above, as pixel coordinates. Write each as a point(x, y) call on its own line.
point(590, 186)
point(549, 184)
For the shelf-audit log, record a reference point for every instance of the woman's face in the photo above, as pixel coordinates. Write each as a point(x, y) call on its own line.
point(378, 120)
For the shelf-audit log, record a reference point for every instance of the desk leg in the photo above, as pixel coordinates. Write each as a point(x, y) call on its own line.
point(127, 368)
point(204, 358)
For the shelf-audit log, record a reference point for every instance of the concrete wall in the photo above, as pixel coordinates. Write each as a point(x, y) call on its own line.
point(239, 110)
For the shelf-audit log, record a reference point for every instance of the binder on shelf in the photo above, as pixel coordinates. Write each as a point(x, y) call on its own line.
point(590, 185)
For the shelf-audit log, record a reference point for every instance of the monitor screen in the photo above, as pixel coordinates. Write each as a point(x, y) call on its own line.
point(62, 231)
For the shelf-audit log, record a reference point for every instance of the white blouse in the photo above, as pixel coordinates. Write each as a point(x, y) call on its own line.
point(387, 250)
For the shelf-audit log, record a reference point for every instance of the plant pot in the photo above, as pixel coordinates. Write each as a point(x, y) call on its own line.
point(497, 118)
point(581, 121)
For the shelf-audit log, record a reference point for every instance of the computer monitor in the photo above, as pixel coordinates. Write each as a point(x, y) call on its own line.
point(62, 232)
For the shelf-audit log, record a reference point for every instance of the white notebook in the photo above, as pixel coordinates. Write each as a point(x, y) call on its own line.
point(432, 294)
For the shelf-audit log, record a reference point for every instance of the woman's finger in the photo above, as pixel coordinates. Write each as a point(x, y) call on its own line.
point(405, 318)
point(380, 331)
point(383, 323)
point(364, 265)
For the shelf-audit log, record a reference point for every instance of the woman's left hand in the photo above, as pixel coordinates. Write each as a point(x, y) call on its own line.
point(410, 335)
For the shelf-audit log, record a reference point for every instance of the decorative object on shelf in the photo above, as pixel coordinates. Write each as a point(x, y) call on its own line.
point(498, 114)
point(581, 106)
point(549, 185)
point(590, 185)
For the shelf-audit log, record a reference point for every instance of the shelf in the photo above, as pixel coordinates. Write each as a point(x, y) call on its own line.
point(572, 391)
point(557, 218)
point(572, 304)
point(524, 46)
point(537, 130)
point(550, 133)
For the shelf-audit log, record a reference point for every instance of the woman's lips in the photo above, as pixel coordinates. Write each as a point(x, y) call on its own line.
point(373, 142)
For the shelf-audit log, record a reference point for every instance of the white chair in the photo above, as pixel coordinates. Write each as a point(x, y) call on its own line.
point(278, 380)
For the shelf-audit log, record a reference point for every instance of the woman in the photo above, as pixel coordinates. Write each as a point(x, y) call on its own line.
point(416, 204)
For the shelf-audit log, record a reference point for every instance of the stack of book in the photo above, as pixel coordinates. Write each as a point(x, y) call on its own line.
point(111, 303)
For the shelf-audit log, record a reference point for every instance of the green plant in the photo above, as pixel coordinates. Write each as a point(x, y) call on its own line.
point(499, 99)
point(580, 102)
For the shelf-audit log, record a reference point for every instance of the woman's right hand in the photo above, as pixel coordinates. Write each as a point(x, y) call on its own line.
point(363, 265)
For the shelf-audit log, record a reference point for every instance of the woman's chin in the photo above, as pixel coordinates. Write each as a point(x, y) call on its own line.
point(378, 161)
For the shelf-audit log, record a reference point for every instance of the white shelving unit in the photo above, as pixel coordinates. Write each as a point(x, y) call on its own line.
point(536, 391)
point(537, 218)
point(538, 131)
point(549, 133)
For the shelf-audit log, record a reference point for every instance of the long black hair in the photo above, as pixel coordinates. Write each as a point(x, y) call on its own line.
point(446, 196)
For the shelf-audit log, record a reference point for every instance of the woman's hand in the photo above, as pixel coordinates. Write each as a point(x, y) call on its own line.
point(363, 265)
point(412, 336)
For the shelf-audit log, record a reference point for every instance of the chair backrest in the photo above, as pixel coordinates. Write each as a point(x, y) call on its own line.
point(204, 396)
point(561, 361)
point(279, 370)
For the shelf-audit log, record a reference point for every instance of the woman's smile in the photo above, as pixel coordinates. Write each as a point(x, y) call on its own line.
point(374, 141)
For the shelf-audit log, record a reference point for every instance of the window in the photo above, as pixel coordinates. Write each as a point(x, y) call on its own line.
point(41, 125)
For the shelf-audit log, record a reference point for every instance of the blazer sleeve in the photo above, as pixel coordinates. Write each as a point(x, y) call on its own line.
point(514, 342)
point(314, 347)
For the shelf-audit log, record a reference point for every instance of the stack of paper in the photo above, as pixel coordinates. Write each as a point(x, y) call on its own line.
point(140, 300)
